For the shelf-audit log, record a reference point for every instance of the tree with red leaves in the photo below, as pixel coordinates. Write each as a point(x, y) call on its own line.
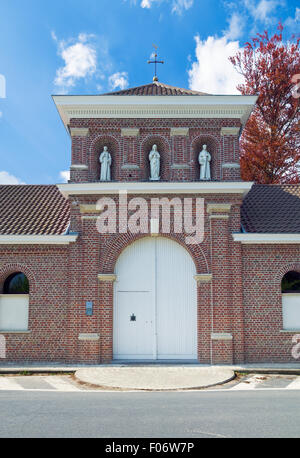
point(270, 143)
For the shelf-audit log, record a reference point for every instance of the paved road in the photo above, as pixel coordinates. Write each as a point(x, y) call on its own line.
point(209, 413)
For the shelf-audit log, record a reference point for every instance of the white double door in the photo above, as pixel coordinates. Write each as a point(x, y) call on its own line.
point(155, 303)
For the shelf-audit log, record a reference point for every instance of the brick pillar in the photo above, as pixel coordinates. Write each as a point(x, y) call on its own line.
point(231, 158)
point(204, 317)
point(79, 167)
point(237, 287)
point(130, 167)
point(106, 293)
point(75, 286)
point(180, 169)
point(221, 336)
point(89, 327)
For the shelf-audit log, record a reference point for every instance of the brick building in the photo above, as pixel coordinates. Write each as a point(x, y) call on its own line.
point(72, 293)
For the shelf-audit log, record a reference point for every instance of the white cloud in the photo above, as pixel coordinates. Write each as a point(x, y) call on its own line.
point(146, 3)
point(213, 72)
point(263, 10)
point(292, 22)
point(7, 178)
point(64, 175)
point(118, 80)
point(236, 26)
point(178, 6)
point(80, 59)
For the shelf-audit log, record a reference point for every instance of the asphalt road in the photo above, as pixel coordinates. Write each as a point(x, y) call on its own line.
point(200, 414)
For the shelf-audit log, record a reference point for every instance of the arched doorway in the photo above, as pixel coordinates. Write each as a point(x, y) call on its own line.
point(155, 302)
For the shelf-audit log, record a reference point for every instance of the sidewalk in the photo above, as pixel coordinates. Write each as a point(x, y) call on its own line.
point(150, 376)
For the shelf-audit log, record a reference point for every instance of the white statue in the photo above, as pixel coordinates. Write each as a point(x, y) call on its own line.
point(154, 158)
point(105, 161)
point(204, 161)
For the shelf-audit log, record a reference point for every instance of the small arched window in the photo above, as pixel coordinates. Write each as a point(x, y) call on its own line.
point(16, 283)
point(291, 283)
point(14, 303)
point(290, 287)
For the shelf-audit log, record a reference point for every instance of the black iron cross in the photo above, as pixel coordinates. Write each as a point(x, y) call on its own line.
point(155, 62)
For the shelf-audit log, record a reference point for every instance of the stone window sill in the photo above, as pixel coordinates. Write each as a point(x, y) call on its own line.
point(290, 330)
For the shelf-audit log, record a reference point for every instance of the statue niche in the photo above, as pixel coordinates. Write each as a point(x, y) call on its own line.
point(154, 158)
point(204, 161)
point(105, 160)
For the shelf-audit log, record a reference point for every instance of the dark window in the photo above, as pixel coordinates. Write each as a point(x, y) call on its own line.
point(16, 283)
point(291, 282)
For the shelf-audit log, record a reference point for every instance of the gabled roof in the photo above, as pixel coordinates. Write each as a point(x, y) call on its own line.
point(272, 209)
point(156, 88)
point(33, 210)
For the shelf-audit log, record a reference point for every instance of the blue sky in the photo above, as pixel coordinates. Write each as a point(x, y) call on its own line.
point(94, 46)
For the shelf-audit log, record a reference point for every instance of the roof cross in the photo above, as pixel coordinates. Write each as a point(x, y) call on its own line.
point(155, 62)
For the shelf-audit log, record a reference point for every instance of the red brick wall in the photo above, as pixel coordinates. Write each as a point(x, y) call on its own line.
point(244, 298)
point(179, 154)
point(99, 254)
point(263, 269)
point(47, 272)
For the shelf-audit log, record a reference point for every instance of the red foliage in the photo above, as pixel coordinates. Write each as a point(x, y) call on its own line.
point(270, 144)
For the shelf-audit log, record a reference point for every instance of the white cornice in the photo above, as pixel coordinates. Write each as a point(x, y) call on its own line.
point(212, 106)
point(253, 238)
point(37, 239)
point(225, 187)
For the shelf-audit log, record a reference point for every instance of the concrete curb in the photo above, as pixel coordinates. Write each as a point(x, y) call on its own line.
point(170, 378)
point(268, 371)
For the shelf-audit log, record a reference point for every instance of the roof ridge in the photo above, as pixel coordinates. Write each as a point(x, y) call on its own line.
point(144, 90)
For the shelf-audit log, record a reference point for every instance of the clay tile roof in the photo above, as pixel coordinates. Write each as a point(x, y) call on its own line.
point(156, 88)
point(33, 210)
point(272, 209)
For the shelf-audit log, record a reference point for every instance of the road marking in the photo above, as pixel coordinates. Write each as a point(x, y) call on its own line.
point(60, 384)
point(294, 385)
point(251, 383)
point(9, 384)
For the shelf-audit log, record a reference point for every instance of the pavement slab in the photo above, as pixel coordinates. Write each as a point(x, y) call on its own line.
point(155, 377)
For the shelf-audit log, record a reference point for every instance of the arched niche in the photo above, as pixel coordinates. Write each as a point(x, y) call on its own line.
point(213, 148)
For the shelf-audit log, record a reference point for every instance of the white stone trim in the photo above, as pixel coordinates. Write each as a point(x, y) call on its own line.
point(250, 238)
point(129, 132)
point(107, 277)
point(130, 167)
point(79, 131)
point(230, 131)
point(154, 227)
point(216, 207)
point(210, 106)
point(15, 332)
point(229, 187)
point(179, 131)
point(180, 166)
point(89, 208)
point(231, 165)
point(203, 278)
point(89, 337)
point(89, 217)
point(79, 167)
point(221, 336)
point(37, 239)
point(219, 216)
